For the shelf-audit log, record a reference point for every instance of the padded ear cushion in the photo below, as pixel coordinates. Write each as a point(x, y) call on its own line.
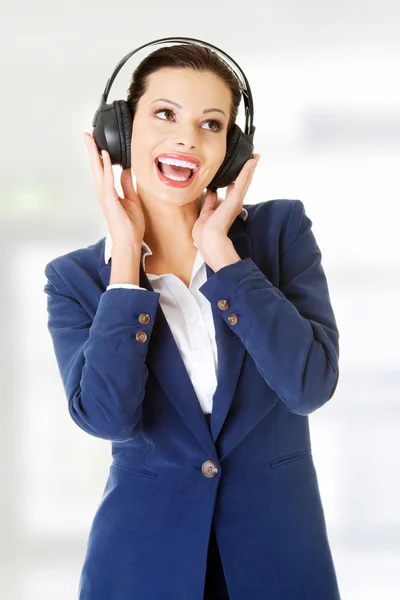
point(124, 119)
point(239, 149)
point(231, 144)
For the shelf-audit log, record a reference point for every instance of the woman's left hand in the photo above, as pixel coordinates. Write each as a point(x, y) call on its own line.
point(214, 222)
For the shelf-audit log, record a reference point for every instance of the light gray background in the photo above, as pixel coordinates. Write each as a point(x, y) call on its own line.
point(325, 80)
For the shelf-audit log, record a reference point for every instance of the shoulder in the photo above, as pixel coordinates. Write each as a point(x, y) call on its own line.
point(279, 210)
point(281, 218)
point(78, 263)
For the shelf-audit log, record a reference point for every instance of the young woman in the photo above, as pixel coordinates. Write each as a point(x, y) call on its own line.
point(197, 336)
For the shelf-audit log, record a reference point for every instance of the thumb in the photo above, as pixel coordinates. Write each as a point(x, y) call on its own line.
point(210, 201)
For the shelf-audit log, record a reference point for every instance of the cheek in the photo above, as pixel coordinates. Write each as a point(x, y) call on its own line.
point(136, 159)
point(221, 150)
point(142, 150)
point(219, 156)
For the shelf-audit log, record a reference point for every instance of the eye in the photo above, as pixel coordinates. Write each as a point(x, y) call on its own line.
point(164, 110)
point(216, 125)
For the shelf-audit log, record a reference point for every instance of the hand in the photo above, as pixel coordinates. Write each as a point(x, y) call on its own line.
point(124, 216)
point(214, 222)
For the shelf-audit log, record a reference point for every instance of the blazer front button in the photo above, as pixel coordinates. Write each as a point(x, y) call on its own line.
point(223, 304)
point(209, 468)
point(141, 336)
point(232, 318)
point(144, 318)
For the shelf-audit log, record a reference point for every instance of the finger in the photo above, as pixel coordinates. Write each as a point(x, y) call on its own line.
point(251, 165)
point(245, 172)
point(127, 184)
point(237, 190)
point(247, 183)
point(95, 161)
point(108, 177)
point(248, 172)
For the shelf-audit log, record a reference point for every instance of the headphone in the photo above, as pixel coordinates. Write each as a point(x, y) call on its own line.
point(112, 123)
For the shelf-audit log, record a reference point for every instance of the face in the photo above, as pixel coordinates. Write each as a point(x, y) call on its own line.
point(183, 115)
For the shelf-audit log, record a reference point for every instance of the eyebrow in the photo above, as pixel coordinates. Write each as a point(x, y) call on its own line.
point(207, 110)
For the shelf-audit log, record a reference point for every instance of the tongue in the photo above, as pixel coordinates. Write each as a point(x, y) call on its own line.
point(174, 170)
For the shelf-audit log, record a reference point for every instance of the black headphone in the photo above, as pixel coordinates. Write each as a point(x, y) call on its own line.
point(112, 124)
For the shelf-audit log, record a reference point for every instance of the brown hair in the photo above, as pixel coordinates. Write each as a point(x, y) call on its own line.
point(184, 56)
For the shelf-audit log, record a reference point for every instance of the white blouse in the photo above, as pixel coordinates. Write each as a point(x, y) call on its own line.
point(189, 316)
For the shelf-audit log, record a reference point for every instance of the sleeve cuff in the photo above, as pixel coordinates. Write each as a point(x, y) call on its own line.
point(126, 286)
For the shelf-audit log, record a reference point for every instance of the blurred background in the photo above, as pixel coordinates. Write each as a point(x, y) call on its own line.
point(325, 81)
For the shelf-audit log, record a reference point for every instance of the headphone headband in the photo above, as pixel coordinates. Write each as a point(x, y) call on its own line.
point(246, 91)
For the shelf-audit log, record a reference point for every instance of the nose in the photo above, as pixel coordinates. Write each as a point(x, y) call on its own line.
point(185, 145)
point(187, 137)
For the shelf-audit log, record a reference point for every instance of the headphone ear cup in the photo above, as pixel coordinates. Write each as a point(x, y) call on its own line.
point(239, 149)
point(112, 131)
point(124, 117)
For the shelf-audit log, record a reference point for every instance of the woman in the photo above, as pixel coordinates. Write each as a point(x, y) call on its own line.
point(197, 336)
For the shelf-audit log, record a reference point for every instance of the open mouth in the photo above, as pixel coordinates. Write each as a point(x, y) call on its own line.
point(176, 171)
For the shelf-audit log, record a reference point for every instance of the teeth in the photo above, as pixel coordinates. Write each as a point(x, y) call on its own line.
point(177, 163)
point(174, 178)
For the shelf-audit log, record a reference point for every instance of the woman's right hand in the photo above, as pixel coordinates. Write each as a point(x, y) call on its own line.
point(124, 216)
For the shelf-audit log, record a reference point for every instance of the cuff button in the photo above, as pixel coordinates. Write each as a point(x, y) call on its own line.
point(141, 336)
point(223, 304)
point(232, 319)
point(144, 318)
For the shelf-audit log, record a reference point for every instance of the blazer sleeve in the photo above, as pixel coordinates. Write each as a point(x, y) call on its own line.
point(290, 332)
point(101, 363)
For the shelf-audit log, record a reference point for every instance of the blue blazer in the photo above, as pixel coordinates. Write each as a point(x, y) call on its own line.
point(252, 472)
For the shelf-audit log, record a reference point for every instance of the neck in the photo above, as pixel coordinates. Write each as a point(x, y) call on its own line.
point(168, 227)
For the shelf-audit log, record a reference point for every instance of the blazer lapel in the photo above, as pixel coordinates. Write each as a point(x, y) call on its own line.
point(165, 361)
point(231, 350)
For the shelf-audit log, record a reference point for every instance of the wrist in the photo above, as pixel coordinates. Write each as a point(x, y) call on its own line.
point(220, 253)
point(122, 249)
